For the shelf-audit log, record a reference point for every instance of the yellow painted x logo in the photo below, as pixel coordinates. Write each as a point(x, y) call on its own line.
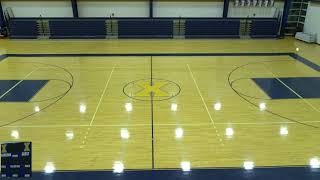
point(3, 148)
point(155, 89)
point(26, 146)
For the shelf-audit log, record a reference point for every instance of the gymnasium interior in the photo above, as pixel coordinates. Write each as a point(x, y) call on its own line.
point(160, 89)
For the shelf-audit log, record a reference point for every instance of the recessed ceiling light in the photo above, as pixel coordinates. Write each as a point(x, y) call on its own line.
point(174, 107)
point(185, 166)
point(248, 165)
point(128, 107)
point(179, 133)
point(315, 163)
point(124, 133)
point(49, 168)
point(15, 134)
point(82, 108)
point(69, 135)
point(217, 106)
point(118, 167)
point(229, 132)
point(284, 131)
point(36, 109)
point(262, 106)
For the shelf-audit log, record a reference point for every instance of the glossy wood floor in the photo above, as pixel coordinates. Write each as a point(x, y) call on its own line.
point(87, 122)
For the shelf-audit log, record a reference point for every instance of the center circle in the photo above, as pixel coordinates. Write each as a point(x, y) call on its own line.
point(155, 89)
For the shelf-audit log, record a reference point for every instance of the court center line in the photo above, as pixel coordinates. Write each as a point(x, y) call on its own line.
point(307, 102)
point(152, 111)
point(205, 105)
point(24, 78)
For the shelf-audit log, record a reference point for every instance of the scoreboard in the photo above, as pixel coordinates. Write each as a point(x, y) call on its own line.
point(16, 160)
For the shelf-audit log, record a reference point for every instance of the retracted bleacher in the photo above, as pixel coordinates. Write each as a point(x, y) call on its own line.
point(23, 29)
point(212, 28)
point(80, 28)
point(264, 28)
point(77, 28)
point(145, 28)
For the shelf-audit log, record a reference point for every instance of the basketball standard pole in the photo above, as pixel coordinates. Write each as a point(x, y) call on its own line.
point(286, 9)
point(225, 8)
point(2, 21)
point(150, 8)
point(75, 8)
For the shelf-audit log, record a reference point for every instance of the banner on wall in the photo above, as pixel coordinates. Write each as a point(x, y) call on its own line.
point(254, 3)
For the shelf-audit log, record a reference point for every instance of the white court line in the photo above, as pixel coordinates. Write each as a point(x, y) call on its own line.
point(24, 78)
point(83, 68)
point(70, 125)
point(142, 125)
point(97, 108)
point(312, 106)
point(205, 105)
point(102, 95)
